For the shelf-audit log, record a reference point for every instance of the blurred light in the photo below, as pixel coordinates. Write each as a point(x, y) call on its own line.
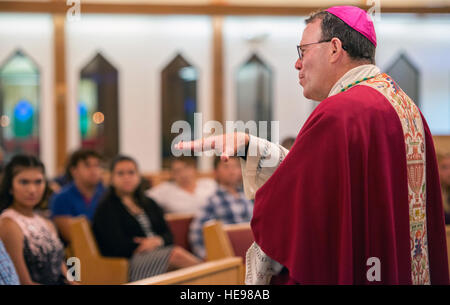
point(4, 121)
point(98, 117)
point(188, 74)
point(23, 110)
point(82, 108)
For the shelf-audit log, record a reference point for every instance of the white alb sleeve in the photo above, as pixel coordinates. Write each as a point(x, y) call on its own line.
point(263, 158)
point(259, 267)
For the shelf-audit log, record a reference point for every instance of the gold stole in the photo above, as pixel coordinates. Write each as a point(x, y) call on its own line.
point(414, 135)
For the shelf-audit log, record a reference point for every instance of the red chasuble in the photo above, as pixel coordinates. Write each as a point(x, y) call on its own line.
point(360, 183)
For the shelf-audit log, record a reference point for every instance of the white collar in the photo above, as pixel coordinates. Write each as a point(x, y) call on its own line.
point(352, 76)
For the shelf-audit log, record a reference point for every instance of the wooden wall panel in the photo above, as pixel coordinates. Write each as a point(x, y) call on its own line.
point(60, 95)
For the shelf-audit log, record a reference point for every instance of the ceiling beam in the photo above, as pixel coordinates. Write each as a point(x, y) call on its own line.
point(60, 7)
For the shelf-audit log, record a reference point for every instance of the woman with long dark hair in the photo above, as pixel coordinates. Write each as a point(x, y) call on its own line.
point(31, 240)
point(129, 224)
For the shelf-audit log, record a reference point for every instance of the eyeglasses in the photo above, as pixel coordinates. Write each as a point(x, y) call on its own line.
point(300, 53)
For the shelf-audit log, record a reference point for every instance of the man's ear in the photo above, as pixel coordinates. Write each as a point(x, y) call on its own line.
point(336, 49)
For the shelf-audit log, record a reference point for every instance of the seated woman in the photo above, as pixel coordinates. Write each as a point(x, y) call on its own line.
point(31, 241)
point(129, 224)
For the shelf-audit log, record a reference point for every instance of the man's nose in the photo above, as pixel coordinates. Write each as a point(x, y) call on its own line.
point(298, 64)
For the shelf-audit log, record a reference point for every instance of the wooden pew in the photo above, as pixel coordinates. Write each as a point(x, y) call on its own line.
point(217, 244)
point(228, 271)
point(241, 238)
point(223, 241)
point(179, 225)
point(95, 268)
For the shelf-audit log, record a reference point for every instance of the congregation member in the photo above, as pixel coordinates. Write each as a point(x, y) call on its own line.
point(228, 204)
point(185, 193)
point(81, 196)
point(31, 241)
point(8, 274)
point(129, 224)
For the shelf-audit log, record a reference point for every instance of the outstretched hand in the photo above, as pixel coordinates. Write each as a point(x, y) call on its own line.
point(225, 145)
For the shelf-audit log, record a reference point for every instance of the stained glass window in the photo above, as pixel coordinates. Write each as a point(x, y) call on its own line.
point(19, 105)
point(179, 100)
point(98, 107)
point(254, 92)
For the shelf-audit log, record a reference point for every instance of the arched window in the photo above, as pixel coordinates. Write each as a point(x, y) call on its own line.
point(254, 92)
point(179, 101)
point(19, 105)
point(98, 107)
point(407, 76)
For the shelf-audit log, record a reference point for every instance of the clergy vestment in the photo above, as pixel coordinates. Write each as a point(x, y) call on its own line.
point(360, 183)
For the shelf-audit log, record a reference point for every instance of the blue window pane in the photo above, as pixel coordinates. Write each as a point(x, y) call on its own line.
point(19, 105)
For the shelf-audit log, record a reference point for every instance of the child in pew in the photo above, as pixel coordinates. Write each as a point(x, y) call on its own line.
point(228, 204)
point(129, 224)
point(31, 241)
point(186, 193)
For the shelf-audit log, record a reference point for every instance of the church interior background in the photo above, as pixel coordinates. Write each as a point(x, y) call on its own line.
point(115, 77)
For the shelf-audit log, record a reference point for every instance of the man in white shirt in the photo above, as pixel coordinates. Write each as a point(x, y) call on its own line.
point(186, 193)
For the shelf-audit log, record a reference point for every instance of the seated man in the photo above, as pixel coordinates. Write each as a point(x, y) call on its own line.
point(228, 204)
point(186, 193)
point(82, 194)
point(8, 274)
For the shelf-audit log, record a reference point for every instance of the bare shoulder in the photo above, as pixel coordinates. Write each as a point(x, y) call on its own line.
point(10, 229)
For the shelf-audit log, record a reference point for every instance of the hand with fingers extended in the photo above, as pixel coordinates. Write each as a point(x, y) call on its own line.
point(148, 243)
point(225, 145)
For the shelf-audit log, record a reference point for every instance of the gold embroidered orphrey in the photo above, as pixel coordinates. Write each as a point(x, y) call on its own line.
point(414, 135)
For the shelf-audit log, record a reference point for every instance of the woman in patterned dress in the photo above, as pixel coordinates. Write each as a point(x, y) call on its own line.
point(31, 241)
point(129, 224)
